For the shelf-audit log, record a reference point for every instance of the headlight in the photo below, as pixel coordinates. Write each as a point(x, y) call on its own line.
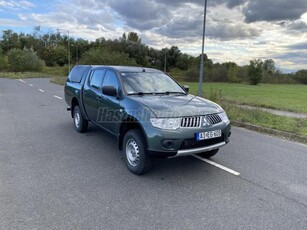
point(224, 117)
point(166, 123)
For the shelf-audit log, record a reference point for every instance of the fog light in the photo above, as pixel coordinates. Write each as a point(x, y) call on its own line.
point(168, 144)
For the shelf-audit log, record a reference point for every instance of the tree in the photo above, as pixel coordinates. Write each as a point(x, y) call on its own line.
point(102, 56)
point(24, 60)
point(255, 71)
point(269, 71)
point(269, 66)
point(10, 40)
point(133, 37)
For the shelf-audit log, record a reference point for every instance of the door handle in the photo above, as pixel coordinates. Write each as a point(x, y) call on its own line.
point(99, 98)
point(84, 92)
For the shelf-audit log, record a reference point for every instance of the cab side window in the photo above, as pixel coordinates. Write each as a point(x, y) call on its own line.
point(96, 78)
point(110, 79)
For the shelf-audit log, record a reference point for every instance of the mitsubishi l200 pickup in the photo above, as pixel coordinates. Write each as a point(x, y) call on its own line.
point(149, 113)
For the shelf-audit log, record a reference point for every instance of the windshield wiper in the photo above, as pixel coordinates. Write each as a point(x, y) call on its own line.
point(140, 93)
point(167, 92)
point(156, 93)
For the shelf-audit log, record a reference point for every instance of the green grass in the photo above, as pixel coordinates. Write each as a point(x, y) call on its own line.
point(283, 97)
point(18, 75)
point(48, 72)
point(264, 119)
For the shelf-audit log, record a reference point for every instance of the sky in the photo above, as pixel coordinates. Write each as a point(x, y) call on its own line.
point(236, 30)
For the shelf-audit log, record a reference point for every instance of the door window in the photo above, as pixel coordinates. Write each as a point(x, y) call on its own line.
point(96, 78)
point(110, 79)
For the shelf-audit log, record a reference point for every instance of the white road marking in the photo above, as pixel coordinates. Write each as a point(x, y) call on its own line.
point(217, 165)
point(41, 90)
point(22, 80)
point(31, 85)
point(57, 97)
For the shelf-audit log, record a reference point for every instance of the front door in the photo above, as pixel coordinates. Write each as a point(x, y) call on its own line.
point(110, 110)
point(92, 94)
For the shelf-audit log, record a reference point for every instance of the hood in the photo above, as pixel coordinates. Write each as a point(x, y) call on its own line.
point(178, 106)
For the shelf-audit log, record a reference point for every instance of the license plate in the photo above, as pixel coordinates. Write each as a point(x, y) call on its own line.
point(208, 135)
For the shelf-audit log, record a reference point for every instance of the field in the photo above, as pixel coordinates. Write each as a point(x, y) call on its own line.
point(283, 97)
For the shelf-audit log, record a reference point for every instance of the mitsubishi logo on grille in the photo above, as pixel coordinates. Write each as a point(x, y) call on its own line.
point(205, 122)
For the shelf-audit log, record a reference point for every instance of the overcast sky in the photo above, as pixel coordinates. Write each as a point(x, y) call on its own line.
point(237, 30)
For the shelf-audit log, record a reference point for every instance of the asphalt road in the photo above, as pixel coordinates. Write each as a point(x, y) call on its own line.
point(52, 177)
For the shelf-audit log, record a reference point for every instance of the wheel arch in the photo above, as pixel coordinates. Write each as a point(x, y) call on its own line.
point(126, 125)
point(74, 102)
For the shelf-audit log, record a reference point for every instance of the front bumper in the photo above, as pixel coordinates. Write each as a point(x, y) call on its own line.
point(186, 152)
point(183, 142)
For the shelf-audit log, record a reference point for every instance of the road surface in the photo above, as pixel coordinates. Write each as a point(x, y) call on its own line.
point(52, 177)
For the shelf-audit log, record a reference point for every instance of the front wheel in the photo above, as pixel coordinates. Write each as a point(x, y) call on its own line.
point(135, 154)
point(79, 122)
point(209, 153)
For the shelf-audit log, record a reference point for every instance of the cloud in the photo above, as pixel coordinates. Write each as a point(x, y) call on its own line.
point(298, 46)
point(297, 25)
point(229, 32)
point(140, 14)
point(264, 10)
point(16, 5)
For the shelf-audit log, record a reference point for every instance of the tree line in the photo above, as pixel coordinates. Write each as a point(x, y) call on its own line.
point(32, 52)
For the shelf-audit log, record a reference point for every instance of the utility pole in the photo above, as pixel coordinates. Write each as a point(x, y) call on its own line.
point(68, 47)
point(201, 69)
point(164, 61)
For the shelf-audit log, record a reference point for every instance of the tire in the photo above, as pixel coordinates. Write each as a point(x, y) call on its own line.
point(79, 122)
point(209, 153)
point(135, 154)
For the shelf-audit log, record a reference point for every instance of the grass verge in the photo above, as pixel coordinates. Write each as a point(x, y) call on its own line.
point(58, 80)
point(19, 75)
point(297, 126)
point(48, 72)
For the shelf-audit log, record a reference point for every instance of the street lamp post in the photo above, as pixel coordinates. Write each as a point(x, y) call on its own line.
point(201, 68)
point(165, 62)
point(68, 47)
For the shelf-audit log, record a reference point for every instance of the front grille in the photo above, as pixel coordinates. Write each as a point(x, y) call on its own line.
point(213, 118)
point(192, 143)
point(190, 122)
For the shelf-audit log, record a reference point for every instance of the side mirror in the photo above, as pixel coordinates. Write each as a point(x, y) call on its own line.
point(186, 88)
point(109, 90)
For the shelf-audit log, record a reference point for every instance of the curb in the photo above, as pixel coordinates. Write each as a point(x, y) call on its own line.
point(284, 134)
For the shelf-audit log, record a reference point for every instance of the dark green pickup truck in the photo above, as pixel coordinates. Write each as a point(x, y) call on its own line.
point(150, 114)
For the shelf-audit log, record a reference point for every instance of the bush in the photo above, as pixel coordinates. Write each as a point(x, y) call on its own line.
point(192, 74)
point(3, 63)
point(24, 60)
point(3, 60)
point(301, 76)
point(102, 56)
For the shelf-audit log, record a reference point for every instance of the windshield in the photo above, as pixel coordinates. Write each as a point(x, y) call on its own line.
point(149, 83)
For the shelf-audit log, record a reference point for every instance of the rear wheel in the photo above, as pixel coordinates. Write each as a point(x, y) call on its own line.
point(79, 122)
point(135, 154)
point(209, 153)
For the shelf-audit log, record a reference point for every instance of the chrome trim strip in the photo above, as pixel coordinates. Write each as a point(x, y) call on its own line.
point(186, 152)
